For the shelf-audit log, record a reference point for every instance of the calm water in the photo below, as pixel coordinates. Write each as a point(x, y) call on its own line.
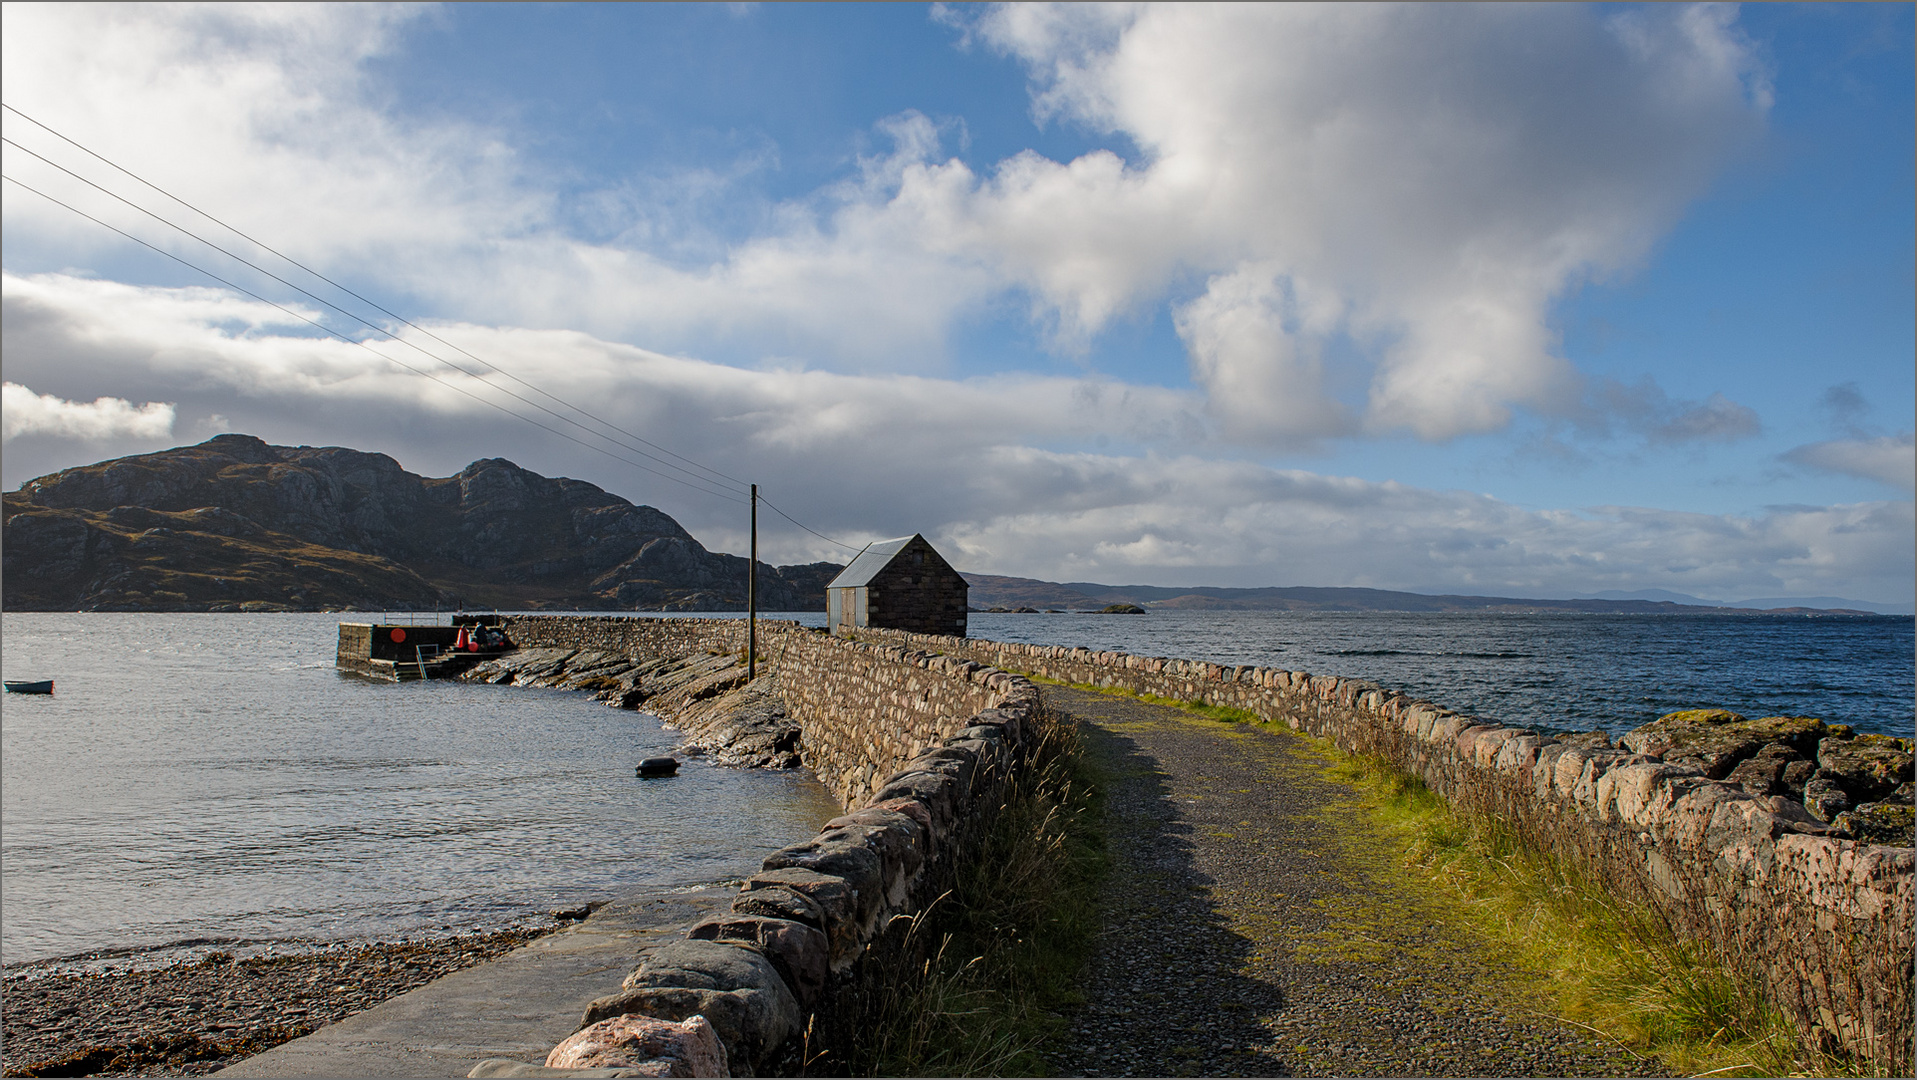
point(213, 777)
point(1584, 672)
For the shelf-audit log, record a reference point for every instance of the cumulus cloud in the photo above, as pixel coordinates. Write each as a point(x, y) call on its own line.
point(1888, 459)
point(23, 412)
point(1439, 172)
point(1418, 182)
point(995, 469)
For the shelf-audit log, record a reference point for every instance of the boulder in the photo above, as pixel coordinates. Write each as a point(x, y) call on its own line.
point(659, 1047)
point(840, 853)
point(1776, 769)
point(1716, 740)
point(797, 951)
point(706, 965)
point(1892, 823)
point(780, 902)
point(730, 984)
point(937, 792)
point(751, 1024)
point(1867, 767)
point(836, 899)
point(900, 840)
point(1825, 798)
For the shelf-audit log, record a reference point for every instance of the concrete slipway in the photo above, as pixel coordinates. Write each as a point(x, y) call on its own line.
point(517, 1006)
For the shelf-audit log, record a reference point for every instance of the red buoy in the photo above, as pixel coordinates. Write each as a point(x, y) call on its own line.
point(398, 635)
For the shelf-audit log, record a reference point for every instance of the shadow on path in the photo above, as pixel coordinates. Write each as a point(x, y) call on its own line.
point(1254, 925)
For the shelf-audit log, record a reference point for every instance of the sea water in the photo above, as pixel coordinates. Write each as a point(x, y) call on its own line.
point(1580, 672)
point(213, 779)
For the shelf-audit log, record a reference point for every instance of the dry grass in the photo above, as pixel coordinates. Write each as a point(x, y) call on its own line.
point(990, 965)
point(1611, 968)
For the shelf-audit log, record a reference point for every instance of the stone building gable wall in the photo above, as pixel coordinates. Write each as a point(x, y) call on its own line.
point(1824, 924)
point(926, 598)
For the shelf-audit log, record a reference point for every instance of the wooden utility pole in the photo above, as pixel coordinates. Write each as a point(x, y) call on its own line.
point(752, 594)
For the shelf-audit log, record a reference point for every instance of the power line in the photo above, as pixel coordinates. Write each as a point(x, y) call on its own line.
point(806, 527)
point(376, 306)
point(351, 315)
point(360, 344)
point(697, 483)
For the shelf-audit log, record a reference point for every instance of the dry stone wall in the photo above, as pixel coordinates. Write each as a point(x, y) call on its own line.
point(918, 746)
point(866, 708)
point(1824, 924)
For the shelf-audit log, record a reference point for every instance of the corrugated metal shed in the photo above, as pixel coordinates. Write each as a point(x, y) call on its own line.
point(869, 562)
point(902, 584)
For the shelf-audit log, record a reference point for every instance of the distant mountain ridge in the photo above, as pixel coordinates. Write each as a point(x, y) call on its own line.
point(1762, 603)
point(236, 524)
point(989, 590)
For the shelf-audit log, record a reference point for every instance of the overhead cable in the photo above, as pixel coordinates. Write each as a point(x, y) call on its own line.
point(351, 315)
point(360, 344)
point(376, 306)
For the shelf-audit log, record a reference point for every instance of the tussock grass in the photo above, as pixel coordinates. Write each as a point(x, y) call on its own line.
point(989, 966)
point(1611, 968)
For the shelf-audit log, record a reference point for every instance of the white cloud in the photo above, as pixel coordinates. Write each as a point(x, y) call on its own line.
point(1422, 181)
point(1441, 172)
point(993, 469)
point(23, 412)
point(1888, 459)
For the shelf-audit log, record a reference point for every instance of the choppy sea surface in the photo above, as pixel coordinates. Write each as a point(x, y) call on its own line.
point(1572, 671)
point(203, 780)
point(213, 779)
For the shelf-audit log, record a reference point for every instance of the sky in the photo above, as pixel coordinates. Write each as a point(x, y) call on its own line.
point(1517, 300)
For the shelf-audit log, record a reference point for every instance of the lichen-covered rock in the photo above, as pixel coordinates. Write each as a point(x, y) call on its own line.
point(1825, 798)
point(649, 1046)
point(1776, 769)
point(1868, 767)
point(1716, 740)
point(1892, 823)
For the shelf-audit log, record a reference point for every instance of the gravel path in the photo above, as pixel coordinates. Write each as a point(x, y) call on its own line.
point(191, 1019)
point(1254, 927)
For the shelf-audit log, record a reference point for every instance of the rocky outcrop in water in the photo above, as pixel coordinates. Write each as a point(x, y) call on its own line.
point(235, 524)
point(704, 695)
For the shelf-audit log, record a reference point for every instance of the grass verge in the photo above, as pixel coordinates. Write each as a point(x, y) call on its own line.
point(1002, 951)
point(1610, 968)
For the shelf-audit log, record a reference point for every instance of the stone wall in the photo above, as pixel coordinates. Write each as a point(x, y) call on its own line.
point(866, 708)
point(1824, 924)
point(918, 746)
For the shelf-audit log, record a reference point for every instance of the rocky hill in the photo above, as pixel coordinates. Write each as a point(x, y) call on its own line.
point(235, 524)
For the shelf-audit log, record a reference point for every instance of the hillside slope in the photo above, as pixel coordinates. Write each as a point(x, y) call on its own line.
point(234, 523)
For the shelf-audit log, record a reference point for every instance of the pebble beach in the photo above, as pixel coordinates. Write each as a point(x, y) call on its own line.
point(195, 1018)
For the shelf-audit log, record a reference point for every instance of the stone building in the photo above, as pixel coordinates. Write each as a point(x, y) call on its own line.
point(898, 584)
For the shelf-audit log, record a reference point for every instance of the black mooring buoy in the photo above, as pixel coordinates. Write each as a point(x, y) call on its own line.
point(658, 766)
